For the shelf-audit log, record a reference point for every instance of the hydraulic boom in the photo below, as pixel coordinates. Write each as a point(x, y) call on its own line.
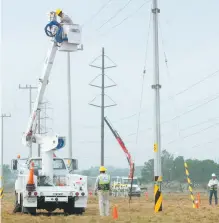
point(65, 38)
point(122, 144)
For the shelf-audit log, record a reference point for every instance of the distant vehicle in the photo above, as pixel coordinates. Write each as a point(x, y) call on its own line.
point(136, 190)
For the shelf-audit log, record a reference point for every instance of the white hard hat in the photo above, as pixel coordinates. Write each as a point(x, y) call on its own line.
point(213, 175)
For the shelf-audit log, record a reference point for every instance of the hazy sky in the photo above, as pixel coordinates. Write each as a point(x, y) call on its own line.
point(190, 37)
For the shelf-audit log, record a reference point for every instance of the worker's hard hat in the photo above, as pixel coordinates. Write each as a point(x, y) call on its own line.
point(213, 175)
point(58, 11)
point(102, 168)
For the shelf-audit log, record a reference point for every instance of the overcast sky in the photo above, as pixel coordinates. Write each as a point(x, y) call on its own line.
point(190, 40)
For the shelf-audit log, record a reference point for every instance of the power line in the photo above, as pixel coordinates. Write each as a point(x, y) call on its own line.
point(184, 113)
point(130, 15)
point(202, 130)
point(188, 88)
point(200, 123)
point(165, 56)
point(195, 133)
point(195, 84)
point(116, 121)
point(143, 78)
point(197, 145)
point(97, 13)
point(117, 12)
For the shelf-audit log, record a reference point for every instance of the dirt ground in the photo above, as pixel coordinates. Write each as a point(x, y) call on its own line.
point(176, 208)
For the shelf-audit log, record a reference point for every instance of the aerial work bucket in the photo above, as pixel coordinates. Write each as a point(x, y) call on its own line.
point(72, 38)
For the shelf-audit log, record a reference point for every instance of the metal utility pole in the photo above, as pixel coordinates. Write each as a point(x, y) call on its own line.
point(102, 106)
point(29, 87)
point(102, 109)
point(2, 154)
point(39, 130)
point(69, 106)
point(156, 86)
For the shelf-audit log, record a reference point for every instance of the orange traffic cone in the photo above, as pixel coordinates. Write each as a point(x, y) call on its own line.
point(196, 204)
point(146, 195)
point(199, 198)
point(30, 184)
point(115, 213)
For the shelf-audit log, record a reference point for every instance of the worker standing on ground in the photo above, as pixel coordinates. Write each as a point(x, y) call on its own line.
point(65, 19)
point(103, 186)
point(213, 185)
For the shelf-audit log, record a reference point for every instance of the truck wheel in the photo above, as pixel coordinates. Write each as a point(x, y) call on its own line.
point(69, 207)
point(51, 209)
point(79, 211)
point(26, 210)
point(17, 207)
point(31, 210)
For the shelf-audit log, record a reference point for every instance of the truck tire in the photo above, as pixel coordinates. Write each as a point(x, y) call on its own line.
point(79, 211)
point(69, 207)
point(17, 207)
point(25, 210)
point(51, 209)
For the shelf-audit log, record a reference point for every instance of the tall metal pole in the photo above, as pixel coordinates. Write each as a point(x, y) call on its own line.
point(102, 109)
point(2, 143)
point(69, 107)
point(30, 96)
point(102, 106)
point(39, 131)
point(2, 154)
point(30, 87)
point(156, 87)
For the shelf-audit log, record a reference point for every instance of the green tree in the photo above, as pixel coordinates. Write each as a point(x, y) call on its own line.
point(173, 169)
point(147, 172)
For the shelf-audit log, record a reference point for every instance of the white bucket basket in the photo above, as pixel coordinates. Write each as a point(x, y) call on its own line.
point(73, 34)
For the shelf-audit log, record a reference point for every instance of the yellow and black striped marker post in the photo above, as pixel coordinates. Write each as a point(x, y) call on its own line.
point(189, 184)
point(1, 188)
point(1, 193)
point(157, 194)
point(157, 187)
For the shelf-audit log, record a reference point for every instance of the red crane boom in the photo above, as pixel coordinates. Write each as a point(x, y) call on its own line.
point(122, 144)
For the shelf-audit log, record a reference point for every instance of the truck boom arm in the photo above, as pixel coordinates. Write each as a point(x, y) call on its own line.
point(65, 38)
point(122, 144)
point(43, 81)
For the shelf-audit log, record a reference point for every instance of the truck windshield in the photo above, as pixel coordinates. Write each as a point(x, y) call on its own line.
point(58, 164)
point(128, 181)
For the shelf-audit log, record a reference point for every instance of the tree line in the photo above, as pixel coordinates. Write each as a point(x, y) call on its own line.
point(173, 169)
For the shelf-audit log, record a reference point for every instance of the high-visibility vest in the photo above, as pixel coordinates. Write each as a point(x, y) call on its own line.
point(104, 182)
point(214, 187)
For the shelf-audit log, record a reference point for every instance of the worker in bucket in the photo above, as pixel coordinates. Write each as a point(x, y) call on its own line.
point(213, 185)
point(103, 187)
point(65, 19)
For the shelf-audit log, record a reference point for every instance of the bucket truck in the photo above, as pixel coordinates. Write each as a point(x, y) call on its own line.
point(48, 182)
point(130, 182)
